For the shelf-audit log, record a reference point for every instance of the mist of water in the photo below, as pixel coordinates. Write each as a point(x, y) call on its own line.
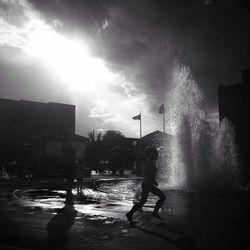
point(202, 153)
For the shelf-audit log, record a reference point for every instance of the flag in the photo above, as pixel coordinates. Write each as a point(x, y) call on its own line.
point(162, 109)
point(137, 117)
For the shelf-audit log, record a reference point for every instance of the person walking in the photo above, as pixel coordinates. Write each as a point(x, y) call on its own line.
point(69, 162)
point(27, 161)
point(79, 176)
point(149, 184)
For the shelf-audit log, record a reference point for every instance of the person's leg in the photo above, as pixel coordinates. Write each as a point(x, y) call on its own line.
point(77, 186)
point(139, 205)
point(161, 195)
point(25, 169)
point(69, 195)
point(81, 185)
point(30, 169)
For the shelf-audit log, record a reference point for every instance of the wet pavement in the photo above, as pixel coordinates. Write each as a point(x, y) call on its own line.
point(34, 216)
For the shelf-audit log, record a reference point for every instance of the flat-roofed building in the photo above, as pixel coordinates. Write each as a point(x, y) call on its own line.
point(34, 123)
point(234, 105)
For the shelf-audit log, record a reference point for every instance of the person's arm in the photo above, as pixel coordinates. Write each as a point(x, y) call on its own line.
point(153, 176)
point(155, 172)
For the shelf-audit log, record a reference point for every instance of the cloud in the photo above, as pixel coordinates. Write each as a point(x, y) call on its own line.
point(99, 110)
point(144, 38)
point(89, 15)
point(141, 41)
point(13, 12)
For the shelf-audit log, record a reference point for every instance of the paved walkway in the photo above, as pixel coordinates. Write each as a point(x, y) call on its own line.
point(210, 221)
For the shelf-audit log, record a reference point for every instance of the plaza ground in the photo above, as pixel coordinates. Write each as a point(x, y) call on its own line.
point(33, 216)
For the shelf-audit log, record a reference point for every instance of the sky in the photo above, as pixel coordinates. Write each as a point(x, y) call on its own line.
point(115, 58)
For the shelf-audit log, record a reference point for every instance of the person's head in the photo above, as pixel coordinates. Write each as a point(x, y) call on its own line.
point(151, 152)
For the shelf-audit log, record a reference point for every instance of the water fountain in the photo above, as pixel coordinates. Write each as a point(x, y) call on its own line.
point(202, 153)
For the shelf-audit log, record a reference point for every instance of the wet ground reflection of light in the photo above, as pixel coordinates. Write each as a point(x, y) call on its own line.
point(109, 197)
point(114, 199)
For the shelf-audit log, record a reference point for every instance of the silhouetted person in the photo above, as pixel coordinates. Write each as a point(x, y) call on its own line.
point(69, 163)
point(149, 184)
point(27, 162)
point(4, 175)
point(79, 175)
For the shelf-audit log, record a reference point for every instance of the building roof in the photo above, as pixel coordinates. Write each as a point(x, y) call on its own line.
point(156, 133)
point(156, 138)
point(28, 102)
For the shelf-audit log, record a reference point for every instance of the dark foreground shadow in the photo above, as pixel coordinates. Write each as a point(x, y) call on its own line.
point(59, 226)
point(182, 241)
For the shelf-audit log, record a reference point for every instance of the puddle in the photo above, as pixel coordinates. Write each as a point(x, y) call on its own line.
point(111, 199)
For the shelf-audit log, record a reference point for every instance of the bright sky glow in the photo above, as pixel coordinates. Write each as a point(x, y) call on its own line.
point(70, 62)
point(68, 59)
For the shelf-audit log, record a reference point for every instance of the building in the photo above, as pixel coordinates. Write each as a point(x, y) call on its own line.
point(116, 152)
point(158, 139)
point(39, 124)
point(234, 105)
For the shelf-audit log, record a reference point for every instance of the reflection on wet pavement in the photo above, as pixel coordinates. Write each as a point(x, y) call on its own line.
point(106, 197)
point(191, 219)
point(113, 199)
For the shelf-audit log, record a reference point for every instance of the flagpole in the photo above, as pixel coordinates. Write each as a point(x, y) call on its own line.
point(140, 126)
point(138, 117)
point(163, 115)
point(162, 111)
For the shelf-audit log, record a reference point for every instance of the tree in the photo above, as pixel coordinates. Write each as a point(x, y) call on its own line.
point(92, 137)
point(100, 146)
point(118, 156)
point(93, 151)
point(113, 136)
point(121, 157)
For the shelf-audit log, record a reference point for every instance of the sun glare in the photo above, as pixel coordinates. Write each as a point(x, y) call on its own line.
point(71, 66)
point(68, 59)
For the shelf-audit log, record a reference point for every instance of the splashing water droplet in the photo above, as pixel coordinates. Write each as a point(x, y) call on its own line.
point(202, 153)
